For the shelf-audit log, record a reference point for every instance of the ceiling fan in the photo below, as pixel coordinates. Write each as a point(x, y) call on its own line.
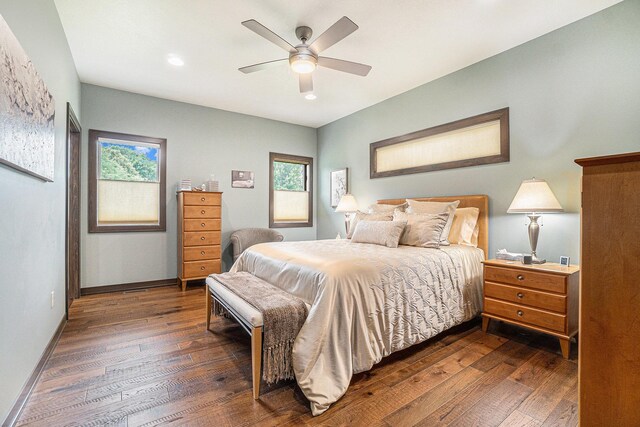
point(303, 58)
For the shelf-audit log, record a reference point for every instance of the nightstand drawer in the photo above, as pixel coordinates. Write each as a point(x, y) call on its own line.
point(523, 314)
point(200, 268)
point(529, 279)
point(526, 296)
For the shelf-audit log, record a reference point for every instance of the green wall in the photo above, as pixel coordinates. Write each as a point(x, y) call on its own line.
point(572, 93)
point(200, 141)
point(32, 212)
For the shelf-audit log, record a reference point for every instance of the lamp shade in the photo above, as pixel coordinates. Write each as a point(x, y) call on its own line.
point(347, 203)
point(534, 195)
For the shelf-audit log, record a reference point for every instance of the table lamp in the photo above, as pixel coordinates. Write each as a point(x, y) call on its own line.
point(348, 205)
point(533, 198)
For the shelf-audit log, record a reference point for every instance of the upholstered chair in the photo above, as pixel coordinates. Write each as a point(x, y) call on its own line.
point(247, 237)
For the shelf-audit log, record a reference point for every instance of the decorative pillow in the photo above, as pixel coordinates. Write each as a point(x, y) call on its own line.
point(381, 208)
point(383, 233)
point(416, 206)
point(424, 230)
point(363, 216)
point(463, 226)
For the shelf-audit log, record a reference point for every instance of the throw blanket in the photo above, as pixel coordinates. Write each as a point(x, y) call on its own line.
point(367, 301)
point(283, 315)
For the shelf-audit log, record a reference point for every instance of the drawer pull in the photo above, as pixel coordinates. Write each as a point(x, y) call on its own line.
point(520, 313)
point(202, 252)
point(202, 211)
point(520, 295)
point(202, 199)
point(520, 277)
point(202, 268)
point(202, 224)
point(202, 238)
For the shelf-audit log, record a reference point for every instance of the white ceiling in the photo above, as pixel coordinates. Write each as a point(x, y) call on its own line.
point(124, 44)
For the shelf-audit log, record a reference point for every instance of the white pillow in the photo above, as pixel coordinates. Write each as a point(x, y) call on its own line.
point(463, 227)
point(383, 233)
point(382, 208)
point(363, 216)
point(449, 208)
point(424, 230)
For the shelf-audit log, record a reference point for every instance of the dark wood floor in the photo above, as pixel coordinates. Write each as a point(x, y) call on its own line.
point(144, 358)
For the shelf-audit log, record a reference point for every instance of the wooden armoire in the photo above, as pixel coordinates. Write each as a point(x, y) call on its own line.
point(199, 224)
point(609, 340)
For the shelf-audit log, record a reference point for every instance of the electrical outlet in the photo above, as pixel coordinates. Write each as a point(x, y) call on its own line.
point(53, 298)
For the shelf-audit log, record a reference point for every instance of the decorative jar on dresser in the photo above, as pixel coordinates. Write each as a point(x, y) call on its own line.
point(199, 224)
point(543, 297)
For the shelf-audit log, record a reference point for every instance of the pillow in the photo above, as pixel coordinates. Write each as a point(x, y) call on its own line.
point(383, 233)
point(416, 206)
point(463, 226)
point(363, 216)
point(424, 230)
point(381, 208)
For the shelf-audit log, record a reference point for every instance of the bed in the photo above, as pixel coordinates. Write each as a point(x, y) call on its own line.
point(367, 301)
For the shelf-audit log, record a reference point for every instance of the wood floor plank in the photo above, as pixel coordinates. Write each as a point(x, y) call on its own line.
point(145, 358)
point(518, 419)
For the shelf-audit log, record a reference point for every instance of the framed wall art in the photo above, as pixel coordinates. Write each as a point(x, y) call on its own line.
point(27, 111)
point(339, 185)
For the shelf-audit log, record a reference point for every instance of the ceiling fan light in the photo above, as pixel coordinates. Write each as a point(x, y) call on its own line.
point(310, 96)
point(302, 64)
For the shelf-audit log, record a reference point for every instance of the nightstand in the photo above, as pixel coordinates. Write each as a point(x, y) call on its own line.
point(543, 297)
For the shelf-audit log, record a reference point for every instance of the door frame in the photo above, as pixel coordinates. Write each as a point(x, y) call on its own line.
point(73, 127)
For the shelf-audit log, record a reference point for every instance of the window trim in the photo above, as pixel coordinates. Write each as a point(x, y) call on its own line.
point(308, 161)
point(94, 135)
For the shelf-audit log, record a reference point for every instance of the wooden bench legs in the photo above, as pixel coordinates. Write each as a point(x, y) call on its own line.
point(256, 348)
point(256, 359)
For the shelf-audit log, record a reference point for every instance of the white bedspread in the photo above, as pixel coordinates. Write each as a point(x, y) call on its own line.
point(366, 301)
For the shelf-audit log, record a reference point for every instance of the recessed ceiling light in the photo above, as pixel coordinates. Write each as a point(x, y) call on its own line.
point(175, 60)
point(310, 96)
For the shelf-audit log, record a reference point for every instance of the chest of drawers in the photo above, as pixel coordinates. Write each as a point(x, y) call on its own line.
point(199, 225)
point(542, 297)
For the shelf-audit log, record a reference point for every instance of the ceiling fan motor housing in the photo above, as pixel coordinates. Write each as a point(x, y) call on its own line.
point(304, 60)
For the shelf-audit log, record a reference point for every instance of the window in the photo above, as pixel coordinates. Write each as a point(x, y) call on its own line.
point(290, 191)
point(127, 190)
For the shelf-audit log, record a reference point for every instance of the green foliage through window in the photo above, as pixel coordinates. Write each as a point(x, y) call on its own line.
point(289, 176)
point(124, 162)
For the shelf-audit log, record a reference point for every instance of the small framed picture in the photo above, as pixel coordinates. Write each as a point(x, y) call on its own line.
point(565, 260)
point(242, 179)
point(339, 185)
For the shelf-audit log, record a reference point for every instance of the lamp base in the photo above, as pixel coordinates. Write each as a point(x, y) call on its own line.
point(536, 260)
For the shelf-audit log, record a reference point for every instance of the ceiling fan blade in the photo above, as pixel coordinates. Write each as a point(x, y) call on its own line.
point(334, 34)
point(306, 83)
point(345, 66)
point(261, 66)
point(263, 31)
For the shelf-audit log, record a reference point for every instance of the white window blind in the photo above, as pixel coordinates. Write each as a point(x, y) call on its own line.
point(291, 206)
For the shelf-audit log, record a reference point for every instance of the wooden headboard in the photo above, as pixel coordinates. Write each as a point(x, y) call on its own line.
point(480, 201)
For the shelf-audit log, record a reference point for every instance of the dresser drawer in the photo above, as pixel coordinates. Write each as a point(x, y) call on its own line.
point(202, 199)
point(201, 224)
point(197, 253)
point(523, 314)
point(529, 279)
point(201, 238)
point(526, 296)
point(202, 212)
point(200, 268)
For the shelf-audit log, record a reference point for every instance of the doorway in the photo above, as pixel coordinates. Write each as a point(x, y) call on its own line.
point(72, 253)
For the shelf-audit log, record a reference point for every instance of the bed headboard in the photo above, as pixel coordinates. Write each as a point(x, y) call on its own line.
point(480, 201)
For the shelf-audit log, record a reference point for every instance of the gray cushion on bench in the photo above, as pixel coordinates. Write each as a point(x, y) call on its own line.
point(248, 312)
